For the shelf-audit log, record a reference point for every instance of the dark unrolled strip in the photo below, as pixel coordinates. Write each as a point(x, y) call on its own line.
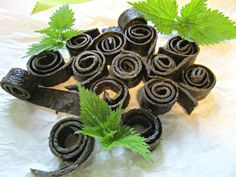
point(112, 28)
point(128, 67)
point(23, 85)
point(110, 44)
point(49, 67)
point(130, 17)
point(198, 80)
point(81, 42)
point(146, 124)
point(159, 95)
point(122, 96)
point(89, 66)
point(141, 39)
point(72, 148)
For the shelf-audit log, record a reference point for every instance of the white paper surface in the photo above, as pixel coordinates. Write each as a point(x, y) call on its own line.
point(200, 145)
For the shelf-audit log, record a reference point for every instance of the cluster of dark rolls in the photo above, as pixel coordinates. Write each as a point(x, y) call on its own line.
point(117, 59)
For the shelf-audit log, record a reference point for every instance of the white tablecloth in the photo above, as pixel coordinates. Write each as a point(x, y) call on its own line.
point(200, 145)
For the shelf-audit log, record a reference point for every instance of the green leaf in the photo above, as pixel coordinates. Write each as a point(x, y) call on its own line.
point(70, 33)
point(45, 44)
point(161, 12)
point(193, 9)
point(42, 5)
point(208, 27)
point(62, 19)
point(101, 122)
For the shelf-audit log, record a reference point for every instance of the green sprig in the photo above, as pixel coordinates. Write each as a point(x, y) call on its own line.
point(57, 33)
point(105, 125)
point(196, 21)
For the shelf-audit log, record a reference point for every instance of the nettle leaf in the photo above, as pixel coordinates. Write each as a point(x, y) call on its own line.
point(101, 122)
point(193, 9)
point(42, 5)
point(161, 12)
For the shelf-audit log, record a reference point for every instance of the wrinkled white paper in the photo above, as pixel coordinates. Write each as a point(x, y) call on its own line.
point(200, 145)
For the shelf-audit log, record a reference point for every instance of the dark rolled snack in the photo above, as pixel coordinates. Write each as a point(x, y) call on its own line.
point(103, 85)
point(159, 95)
point(74, 149)
point(130, 17)
point(19, 83)
point(78, 44)
point(198, 80)
point(81, 42)
point(22, 84)
point(112, 28)
point(89, 66)
point(110, 44)
point(146, 124)
point(49, 67)
point(161, 65)
point(128, 67)
point(141, 39)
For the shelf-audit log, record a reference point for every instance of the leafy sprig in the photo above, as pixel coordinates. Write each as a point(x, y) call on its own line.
point(42, 5)
point(104, 124)
point(196, 21)
point(57, 33)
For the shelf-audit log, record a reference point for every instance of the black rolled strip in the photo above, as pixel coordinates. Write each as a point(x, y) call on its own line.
point(122, 96)
point(141, 39)
point(159, 95)
point(198, 80)
point(23, 85)
point(110, 44)
point(93, 32)
point(78, 44)
point(146, 124)
point(89, 66)
point(130, 17)
point(112, 29)
point(128, 67)
point(49, 67)
point(74, 149)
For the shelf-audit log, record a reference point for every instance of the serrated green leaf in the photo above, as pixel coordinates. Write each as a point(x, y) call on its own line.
point(161, 12)
point(208, 27)
point(62, 19)
point(193, 9)
point(70, 33)
point(42, 5)
point(45, 44)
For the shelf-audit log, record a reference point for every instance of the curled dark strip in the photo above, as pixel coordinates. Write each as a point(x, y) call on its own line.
point(130, 17)
point(159, 95)
point(180, 48)
point(49, 67)
point(128, 67)
point(161, 65)
point(103, 85)
point(198, 80)
point(146, 124)
point(78, 44)
point(72, 148)
point(110, 44)
point(141, 39)
point(89, 66)
point(23, 85)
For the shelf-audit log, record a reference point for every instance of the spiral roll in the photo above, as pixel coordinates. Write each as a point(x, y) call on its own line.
point(180, 48)
point(72, 148)
point(49, 67)
point(141, 39)
point(24, 85)
point(103, 85)
point(198, 80)
point(78, 44)
point(159, 95)
point(19, 83)
point(146, 124)
point(130, 17)
point(89, 66)
point(128, 67)
point(110, 44)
